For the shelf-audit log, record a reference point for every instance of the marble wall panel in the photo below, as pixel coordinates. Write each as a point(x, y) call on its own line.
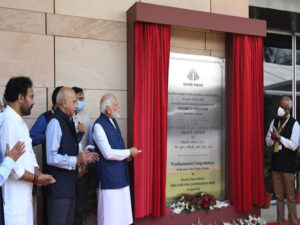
point(28, 55)
point(231, 7)
point(90, 64)
point(215, 41)
point(49, 97)
point(218, 54)
point(92, 102)
point(190, 51)
point(71, 26)
point(100, 9)
point(203, 5)
point(187, 39)
point(32, 5)
point(22, 21)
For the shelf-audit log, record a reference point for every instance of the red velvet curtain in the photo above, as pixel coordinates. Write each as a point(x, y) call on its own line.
point(152, 50)
point(247, 122)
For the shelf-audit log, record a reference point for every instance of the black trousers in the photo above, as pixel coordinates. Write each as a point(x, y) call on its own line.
point(1, 208)
point(61, 211)
point(81, 199)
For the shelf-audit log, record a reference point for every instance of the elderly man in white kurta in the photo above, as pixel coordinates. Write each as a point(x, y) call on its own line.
point(17, 190)
point(114, 206)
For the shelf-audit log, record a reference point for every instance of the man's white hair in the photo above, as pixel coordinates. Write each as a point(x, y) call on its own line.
point(59, 97)
point(105, 102)
point(290, 101)
point(63, 94)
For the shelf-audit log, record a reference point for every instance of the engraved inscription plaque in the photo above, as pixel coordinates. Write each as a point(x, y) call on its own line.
point(195, 126)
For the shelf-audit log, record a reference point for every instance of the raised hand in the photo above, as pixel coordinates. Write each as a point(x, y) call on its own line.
point(80, 127)
point(16, 151)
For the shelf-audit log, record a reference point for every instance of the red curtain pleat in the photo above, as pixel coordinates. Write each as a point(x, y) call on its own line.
point(152, 50)
point(247, 122)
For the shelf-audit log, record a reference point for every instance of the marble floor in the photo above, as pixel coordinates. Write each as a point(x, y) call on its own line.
point(270, 214)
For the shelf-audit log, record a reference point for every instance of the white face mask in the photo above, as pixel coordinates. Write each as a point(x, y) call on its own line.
point(280, 112)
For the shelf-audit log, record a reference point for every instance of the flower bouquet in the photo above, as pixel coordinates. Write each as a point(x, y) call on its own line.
point(190, 203)
point(251, 220)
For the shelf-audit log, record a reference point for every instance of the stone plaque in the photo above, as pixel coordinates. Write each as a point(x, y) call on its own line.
point(195, 148)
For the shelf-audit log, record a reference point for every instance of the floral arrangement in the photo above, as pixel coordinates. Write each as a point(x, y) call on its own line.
point(190, 203)
point(251, 220)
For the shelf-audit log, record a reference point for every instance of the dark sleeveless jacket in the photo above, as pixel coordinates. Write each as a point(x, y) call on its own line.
point(66, 180)
point(111, 173)
point(284, 160)
point(48, 115)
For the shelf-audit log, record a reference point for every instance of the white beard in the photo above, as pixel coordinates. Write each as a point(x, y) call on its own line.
point(115, 114)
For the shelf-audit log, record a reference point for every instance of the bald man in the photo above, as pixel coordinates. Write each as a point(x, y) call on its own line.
point(63, 158)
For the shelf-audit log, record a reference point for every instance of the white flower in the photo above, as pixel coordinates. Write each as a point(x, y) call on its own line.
point(177, 210)
point(221, 204)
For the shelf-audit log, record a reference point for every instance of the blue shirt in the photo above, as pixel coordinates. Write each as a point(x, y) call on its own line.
point(5, 168)
point(53, 138)
point(37, 132)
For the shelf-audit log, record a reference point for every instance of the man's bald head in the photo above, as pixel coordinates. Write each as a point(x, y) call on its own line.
point(66, 100)
point(286, 104)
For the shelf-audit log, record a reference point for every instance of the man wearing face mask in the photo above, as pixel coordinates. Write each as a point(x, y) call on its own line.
point(83, 126)
point(283, 135)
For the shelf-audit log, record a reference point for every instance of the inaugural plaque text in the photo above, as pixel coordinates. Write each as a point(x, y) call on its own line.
point(194, 125)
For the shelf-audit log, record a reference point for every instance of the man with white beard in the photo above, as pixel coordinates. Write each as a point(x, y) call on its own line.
point(114, 205)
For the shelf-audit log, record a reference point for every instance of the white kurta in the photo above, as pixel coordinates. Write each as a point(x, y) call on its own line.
point(114, 205)
point(17, 194)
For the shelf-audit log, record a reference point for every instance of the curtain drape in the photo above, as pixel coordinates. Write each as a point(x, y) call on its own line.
point(152, 50)
point(247, 122)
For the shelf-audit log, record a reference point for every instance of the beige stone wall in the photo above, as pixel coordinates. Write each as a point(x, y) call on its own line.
point(83, 43)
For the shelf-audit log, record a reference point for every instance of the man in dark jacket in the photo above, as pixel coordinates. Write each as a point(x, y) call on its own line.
point(114, 206)
point(283, 135)
point(63, 159)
